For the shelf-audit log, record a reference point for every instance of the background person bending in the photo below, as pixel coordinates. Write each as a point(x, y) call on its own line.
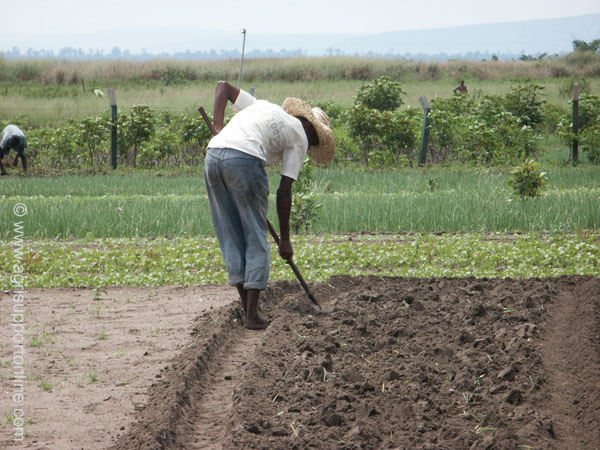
point(13, 138)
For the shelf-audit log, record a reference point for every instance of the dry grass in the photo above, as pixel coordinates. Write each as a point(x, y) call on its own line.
point(577, 64)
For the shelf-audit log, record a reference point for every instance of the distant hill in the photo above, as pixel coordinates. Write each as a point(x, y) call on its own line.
point(532, 36)
point(506, 40)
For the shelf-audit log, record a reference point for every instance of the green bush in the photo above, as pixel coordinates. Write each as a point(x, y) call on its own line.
point(347, 148)
point(92, 134)
point(527, 180)
point(387, 136)
point(492, 130)
point(552, 115)
point(134, 129)
point(589, 127)
point(525, 103)
point(382, 94)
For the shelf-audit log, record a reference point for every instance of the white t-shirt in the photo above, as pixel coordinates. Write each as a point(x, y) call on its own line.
point(264, 130)
point(8, 132)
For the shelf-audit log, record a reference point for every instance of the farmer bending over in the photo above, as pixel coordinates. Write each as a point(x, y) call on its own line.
point(13, 138)
point(260, 134)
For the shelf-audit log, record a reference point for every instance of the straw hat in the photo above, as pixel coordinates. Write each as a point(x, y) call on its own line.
point(322, 153)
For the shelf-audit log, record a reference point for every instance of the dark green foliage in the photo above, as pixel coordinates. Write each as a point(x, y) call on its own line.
point(91, 134)
point(134, 129)
point(527, 180)
point(593, 46)
point(493, 130)
point(173, 76)
point(143, 138)
point(382, 94)
point(525, 103)
point(589, 127)
point(306, 204)
point(482, 130)
point(386, 135)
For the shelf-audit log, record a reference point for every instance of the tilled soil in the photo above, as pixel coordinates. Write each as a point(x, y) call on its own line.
point(397, 363)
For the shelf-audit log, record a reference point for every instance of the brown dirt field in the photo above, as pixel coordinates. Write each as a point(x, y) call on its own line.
point(398, 363)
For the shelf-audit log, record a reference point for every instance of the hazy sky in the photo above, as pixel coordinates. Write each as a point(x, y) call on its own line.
point(276, 16)
point(176, 25)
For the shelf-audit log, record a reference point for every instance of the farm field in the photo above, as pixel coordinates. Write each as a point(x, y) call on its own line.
point(458, 315)
point(400, 362)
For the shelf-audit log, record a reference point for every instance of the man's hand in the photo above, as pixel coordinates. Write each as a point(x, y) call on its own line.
point(284, 207)
point(285, 249)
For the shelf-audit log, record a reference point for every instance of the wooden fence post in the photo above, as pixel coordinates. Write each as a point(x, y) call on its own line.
point(575, 123)
point(113, 131)
point(425, 139)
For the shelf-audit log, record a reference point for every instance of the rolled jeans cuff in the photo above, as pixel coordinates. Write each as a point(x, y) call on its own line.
point(259, 286)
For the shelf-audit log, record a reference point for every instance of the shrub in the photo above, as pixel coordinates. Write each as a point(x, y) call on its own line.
point(527, 180)
point(589, 127)
point(495, 130)
point(382, 94)
point(347, 148)
point(525, 103)
point(552, 115)
point(91, 134)
point(376, 123)
point(134, 129)
point(163, 144)
point(172, 76)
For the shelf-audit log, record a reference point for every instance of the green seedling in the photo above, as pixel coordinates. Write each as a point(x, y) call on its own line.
point(45, 385)
point(97, 293)
point(41, 339)
point(479, 429)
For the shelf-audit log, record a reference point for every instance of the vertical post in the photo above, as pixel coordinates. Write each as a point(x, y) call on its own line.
point(575, 123)
point(239, 85)
point(425, 138)
point(113, 130)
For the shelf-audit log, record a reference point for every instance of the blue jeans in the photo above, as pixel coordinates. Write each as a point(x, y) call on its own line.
point(238, 191)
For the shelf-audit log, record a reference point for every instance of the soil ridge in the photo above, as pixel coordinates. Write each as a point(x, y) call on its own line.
point(156, 423)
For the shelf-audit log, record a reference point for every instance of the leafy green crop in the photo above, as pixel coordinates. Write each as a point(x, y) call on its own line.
point(98, 263)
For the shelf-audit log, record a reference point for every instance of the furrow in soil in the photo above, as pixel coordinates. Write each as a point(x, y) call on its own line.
point(207, 417)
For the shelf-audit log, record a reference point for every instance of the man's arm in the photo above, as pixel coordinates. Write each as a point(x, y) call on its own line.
point(284, 208)
point(224, 92)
